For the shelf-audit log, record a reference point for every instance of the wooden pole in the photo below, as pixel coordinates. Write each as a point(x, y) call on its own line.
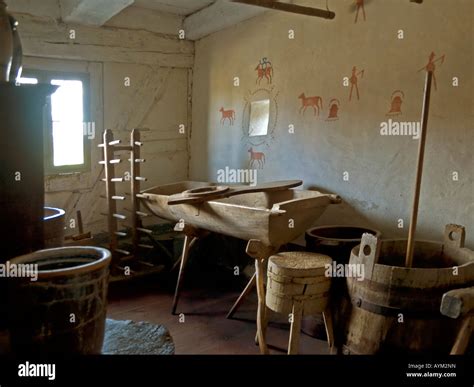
point(419, 170)
point(135, 185)
point(110, 191)
point(292, 8)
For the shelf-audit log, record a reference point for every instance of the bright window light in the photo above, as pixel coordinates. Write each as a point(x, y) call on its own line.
point(68, 116)
point(27, 81)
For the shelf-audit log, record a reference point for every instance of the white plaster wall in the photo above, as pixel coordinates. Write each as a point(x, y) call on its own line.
point(381, 169)
point(159, 67)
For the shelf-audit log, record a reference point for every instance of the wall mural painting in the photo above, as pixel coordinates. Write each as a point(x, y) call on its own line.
point(260, 94)
point(357, 7)
point(334, 105)
point(264, 69)
point(354, 79)
point(256, 159)
point(260, 115)
point(396, 105)
point(430, 66)
point(227, 115)
point(315, 102)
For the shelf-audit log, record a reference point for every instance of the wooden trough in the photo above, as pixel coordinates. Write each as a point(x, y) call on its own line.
point(396, 309)
point(274, 218)
point(267, 220)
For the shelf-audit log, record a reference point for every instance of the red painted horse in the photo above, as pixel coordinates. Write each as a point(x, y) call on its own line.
point(315, 102)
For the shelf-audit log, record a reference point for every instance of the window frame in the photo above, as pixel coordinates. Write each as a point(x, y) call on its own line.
point(46, 76)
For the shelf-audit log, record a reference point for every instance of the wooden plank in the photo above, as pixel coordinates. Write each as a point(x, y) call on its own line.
point(458, 303)
point(91, 12)
point(216, 17)
point(217, 193)
point(106, 44)
point(292, 8)
point(147, 19)
point(135, 185)
point(109, 171)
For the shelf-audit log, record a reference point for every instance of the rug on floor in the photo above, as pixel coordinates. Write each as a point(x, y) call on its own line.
point(126, 337)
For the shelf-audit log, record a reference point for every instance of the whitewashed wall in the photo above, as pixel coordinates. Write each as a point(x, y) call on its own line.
point(381, 169)
point(138, 44)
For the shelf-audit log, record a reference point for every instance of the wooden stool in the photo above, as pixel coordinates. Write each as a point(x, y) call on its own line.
point(296, 284)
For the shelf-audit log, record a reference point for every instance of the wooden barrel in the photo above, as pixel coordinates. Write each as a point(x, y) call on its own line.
point(396, 309)
point(53, 228)
point(336, 242)
point(64, 310)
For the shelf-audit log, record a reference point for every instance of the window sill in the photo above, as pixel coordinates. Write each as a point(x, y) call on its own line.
point(62, 174)
point(67, 181)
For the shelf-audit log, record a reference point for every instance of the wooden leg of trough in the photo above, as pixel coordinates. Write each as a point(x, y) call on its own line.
point(184, 258)
point(243, 295)
point(464, 336)
point(261, 253)
point(192, 234)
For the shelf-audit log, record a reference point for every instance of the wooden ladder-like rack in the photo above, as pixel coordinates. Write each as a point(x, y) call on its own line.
point(111, 148)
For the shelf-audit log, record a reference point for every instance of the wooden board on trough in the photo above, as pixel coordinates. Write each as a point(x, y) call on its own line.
point(205, 194)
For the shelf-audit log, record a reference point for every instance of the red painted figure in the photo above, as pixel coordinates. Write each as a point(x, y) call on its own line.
point(354, 80)
point(359, 5)
point(431, 67)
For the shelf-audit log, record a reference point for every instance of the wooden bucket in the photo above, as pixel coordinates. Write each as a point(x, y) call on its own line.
point(397, 309)
point(64, 310)
point(336, 242)
point(53, 228)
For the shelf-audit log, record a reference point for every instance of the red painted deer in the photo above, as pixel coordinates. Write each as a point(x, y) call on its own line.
point(227, 115)
point(315, 102)
point(259, 157)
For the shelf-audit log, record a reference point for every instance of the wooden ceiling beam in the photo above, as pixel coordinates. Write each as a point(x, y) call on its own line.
point(292, 8)
point(91, 12)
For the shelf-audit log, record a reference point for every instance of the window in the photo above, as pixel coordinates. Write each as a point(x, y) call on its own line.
point(67, 130)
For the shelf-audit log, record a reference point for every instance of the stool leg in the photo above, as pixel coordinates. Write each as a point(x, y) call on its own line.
point(327, 316)
point(294, 343)
point(261, 327)
point(264, 323)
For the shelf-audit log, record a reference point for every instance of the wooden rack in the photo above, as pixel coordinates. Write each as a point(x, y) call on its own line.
point(111, 157)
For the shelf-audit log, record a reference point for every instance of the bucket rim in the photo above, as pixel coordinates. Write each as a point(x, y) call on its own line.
point(308, 233)
point(58, 212)
point(103, 255)
point(404, 268)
